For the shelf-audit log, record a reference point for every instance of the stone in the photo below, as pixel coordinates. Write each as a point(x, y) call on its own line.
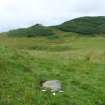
point(52, 85)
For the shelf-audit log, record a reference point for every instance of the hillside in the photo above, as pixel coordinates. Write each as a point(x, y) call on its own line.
point(82, 25)
point(36, 30)
point(77, 61)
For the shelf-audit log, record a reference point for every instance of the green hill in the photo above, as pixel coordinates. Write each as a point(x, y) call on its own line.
point(84, 25)
point(36, 30)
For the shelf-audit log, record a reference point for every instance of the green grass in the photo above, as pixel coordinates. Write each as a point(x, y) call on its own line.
point(79, 62)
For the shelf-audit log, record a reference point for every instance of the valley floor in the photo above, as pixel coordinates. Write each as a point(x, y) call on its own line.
point(78, 62)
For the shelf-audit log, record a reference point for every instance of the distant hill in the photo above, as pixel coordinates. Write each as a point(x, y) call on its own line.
point(82, 25)
point(36, 30)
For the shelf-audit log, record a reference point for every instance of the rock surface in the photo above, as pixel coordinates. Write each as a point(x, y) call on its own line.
point(53, 85)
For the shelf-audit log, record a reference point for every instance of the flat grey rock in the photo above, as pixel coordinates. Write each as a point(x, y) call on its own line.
point(53, 85)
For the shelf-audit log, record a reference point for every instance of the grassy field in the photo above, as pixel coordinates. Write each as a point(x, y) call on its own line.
point(79, 62)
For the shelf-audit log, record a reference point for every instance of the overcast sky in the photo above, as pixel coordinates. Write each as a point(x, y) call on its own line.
point(23, 13)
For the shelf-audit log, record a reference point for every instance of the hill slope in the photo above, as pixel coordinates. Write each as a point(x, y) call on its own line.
point(36, 30)
point(82, 25)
